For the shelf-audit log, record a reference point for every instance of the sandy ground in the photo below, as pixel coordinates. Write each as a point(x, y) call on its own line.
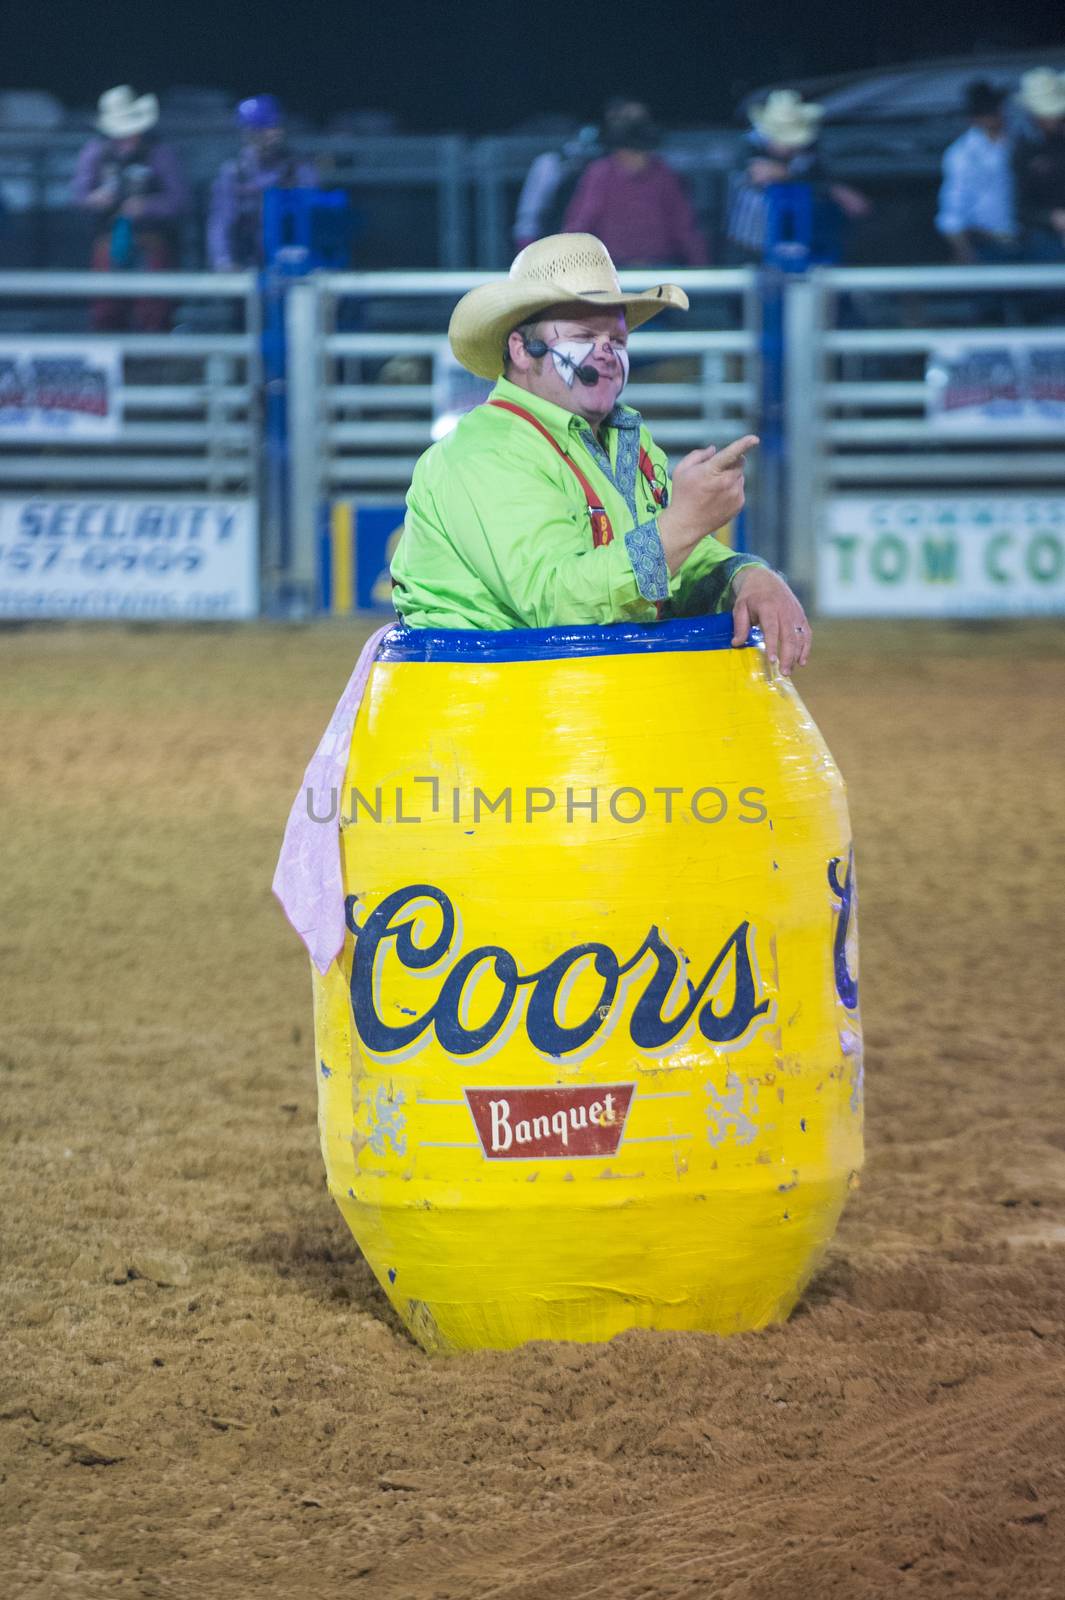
point(202, 1391)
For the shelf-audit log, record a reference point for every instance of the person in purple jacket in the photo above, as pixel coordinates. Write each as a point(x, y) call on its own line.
point(131, 184)
point(633, 201)
point(265, 161)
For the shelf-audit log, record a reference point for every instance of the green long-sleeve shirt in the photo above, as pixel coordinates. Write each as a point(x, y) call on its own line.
point(497, 533)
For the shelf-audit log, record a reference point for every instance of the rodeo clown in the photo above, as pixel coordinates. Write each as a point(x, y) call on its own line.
point(551, 503)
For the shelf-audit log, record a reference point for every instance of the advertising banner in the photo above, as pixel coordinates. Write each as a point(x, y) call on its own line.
point(1002, 387)
point(122, 557)
point(51, 393)
point(962, 555)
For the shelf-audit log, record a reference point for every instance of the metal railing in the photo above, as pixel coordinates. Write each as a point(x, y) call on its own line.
point(444, 201)
point(857, 347)
point(390, 180)
point(189, 399)
point(361, 371)
point(362, 403)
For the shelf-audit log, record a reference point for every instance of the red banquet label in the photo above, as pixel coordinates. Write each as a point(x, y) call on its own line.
point(552, 1122)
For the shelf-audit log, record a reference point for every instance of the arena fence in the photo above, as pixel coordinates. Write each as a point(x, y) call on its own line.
point(444, 201)
point(186, 401)
point(366, 400)
point(131, 458)
point(925, 438)
point(912, 425)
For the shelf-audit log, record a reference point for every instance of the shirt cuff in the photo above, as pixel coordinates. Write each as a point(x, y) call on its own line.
point(712, 592)
point(731, 569)
point(648, 560)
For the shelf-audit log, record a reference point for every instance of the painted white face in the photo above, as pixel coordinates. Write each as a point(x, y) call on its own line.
point(593, 341)
point(569, 354)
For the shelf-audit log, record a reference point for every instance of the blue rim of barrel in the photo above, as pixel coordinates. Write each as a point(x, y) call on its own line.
point(547, 644)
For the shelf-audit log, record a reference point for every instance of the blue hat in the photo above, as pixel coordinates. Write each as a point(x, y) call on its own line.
point(261, 111)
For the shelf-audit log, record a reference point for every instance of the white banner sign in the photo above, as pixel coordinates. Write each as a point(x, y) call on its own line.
point(999, 387)
point(129, 558)
point(55, 392)
point(964, 555)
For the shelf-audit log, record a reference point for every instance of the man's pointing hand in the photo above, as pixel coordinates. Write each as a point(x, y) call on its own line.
point(707, 493)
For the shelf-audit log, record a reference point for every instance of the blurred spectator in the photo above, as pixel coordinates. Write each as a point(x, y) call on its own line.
point(784, 139)
point(633, 201)
point(1039, 167)
point(265, 161)
point(132, 185)
point(550, 184)
point(976, 201)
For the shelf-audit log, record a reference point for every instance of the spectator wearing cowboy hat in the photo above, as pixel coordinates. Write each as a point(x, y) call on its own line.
point(265, 161)
point(1039, 166)
point(132, 186)
point(551, 183)
point(785, 131)
point(976, 200)
point(551, 503)
point(634, 201)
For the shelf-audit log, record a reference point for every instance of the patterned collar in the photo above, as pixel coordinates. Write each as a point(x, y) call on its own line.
point(623, 475)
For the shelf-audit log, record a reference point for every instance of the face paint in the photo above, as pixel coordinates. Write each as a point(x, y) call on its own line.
point(568, 354)
point(567, 351)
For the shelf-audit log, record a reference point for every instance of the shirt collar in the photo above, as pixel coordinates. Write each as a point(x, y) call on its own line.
point(563, 425)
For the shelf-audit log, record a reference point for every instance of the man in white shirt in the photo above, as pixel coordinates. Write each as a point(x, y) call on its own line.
point(976, 201)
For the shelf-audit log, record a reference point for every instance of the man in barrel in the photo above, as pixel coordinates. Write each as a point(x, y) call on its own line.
point(551, 503)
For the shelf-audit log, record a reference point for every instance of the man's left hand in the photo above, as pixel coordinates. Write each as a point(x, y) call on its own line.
point(763, 600)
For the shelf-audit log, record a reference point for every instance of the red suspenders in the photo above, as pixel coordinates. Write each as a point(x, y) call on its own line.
point(602, 532)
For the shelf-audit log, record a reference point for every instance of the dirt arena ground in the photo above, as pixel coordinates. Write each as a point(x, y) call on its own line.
point(203, 1392)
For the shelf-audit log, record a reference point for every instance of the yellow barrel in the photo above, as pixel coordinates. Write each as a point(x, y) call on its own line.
point(590, 1058)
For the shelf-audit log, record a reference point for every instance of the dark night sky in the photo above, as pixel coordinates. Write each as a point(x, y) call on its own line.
point(475, 66)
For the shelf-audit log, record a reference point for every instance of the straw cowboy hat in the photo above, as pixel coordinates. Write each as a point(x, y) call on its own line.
point(563, 269)
point(785, 118)
point(120, 115)
point(1042, 92)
